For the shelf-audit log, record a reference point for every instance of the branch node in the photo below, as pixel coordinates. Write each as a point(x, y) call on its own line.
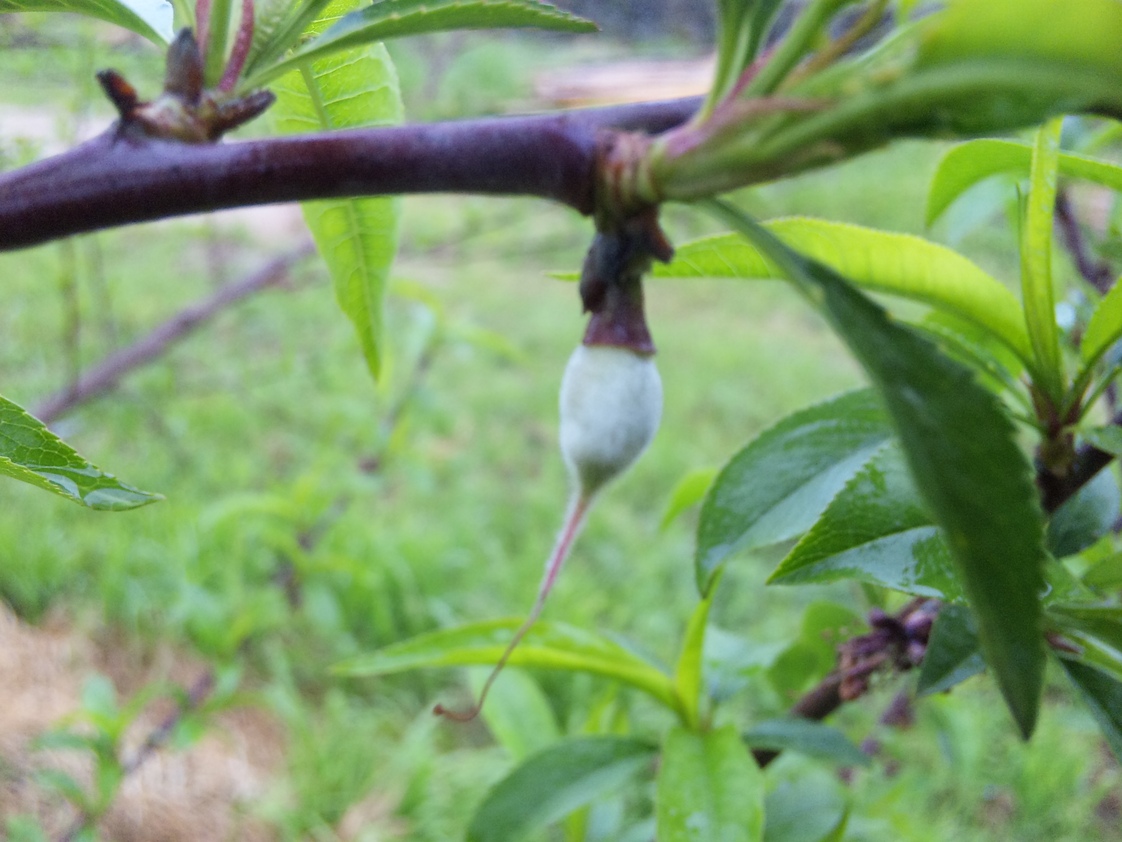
point(185, 111)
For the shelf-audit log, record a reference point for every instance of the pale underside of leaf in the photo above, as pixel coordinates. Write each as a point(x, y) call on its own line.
point(31, 453)
point(876, 530)
point(775, 488)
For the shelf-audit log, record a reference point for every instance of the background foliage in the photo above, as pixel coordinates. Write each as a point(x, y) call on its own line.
point(277, 554)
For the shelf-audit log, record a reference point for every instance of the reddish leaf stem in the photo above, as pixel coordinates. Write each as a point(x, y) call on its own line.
point(242, 42)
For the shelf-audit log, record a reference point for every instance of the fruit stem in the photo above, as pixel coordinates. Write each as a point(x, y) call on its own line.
point(578, 510)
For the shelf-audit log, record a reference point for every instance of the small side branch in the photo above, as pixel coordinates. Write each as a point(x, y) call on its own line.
point(1089, 460)
point(107, 374)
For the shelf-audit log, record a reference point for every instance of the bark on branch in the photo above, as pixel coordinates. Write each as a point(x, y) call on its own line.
point(119, 179)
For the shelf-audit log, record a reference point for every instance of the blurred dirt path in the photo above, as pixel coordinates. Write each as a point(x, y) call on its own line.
point(207, 792)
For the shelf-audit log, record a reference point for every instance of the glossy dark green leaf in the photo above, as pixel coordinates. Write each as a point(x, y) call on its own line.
point(953, 654)
point(397, 18)
point(775, 488)
point(1086, 517)
point(963, 455)
point(556, 781)
point(356, 237)
point(1103, 695)
point(33, 454)
point(805, 736)
point(709, 788)
point(877, 530)
point(546, 646)
point(150, 18)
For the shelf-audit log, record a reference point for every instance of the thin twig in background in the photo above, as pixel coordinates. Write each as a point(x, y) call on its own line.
point(104, 376)
point(200, 691)
point(156, 739)
point(1095, 271)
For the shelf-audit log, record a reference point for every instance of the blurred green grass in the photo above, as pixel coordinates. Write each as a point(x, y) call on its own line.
point(267, 437)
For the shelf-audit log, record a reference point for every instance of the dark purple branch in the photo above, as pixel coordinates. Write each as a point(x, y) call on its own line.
point(119, 178)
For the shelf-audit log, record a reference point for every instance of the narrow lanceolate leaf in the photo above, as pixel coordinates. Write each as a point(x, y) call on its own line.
point(953, 651)
point(150, 18)
point(968, 163)
point(1106, 574)
point(776, 487)
point(356, 237)
point(1103, 695)
point(1036, 261)
point(556, 781)
point(709, 788)
point(690, 490)
point(546, 646)
point(879, 261)
point(33, 454)
point(689, 669)
point(878, 530)
point(962, 452)
point(813, 739)
point(1105, 326)
point(278, 25)
point(396, 18)
point(1095, 629)
point(741, 26)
